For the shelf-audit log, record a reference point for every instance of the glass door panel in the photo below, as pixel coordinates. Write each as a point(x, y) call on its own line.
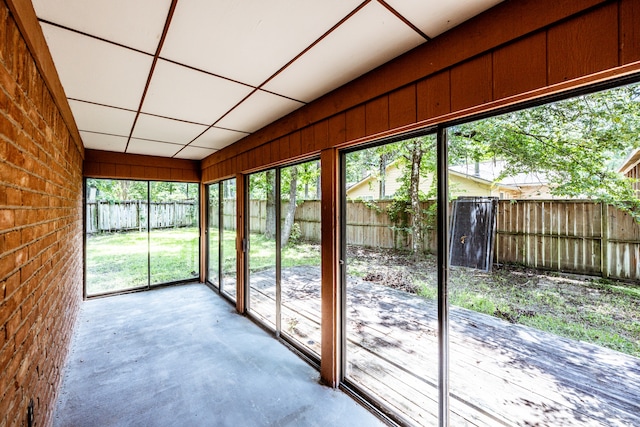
point(391, 318)
point(213, 234)
point(228, 238)
point(531, 343)
point(175, 233)
point(300, 254)
point(117, 244)
point(262, 246)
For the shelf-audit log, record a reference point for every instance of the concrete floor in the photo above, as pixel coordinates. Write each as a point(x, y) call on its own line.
point(180, 356)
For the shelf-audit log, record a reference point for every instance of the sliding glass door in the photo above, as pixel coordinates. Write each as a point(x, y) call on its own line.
point(140, 233)
point(221, 237)
point(284, 253)
point(174, 238)
point(484, 285)
point(117, 244)
point(391, 319)
point(261, 259)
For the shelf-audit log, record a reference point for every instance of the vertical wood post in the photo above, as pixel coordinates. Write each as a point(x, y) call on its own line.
point(241, 201)
point(330, 363)
point(604, 239)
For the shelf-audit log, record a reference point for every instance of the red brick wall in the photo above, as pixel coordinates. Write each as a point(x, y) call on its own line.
point(40, 234)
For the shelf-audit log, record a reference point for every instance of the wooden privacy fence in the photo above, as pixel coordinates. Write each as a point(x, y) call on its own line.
point(563, 235)
point(566, 235)
point(103, 216)
point(307, 217)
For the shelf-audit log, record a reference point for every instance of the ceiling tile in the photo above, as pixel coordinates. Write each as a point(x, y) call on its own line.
point(368, 39)
point(218, 138)
point(99, 141)
point(98, 118)
point(96, 71)
point(194, 153)
point(152, 148)
point(166, 130)
point(183, 93)
point(260, 109)
point(137, 24)
point(248, 41)
point(434, 17)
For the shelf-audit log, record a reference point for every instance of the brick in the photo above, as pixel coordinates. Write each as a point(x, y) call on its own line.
point(7, 218)
point(14, 196)
point(11, 284)
point(7, 265)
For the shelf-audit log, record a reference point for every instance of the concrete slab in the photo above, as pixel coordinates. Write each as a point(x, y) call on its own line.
point(181, 356)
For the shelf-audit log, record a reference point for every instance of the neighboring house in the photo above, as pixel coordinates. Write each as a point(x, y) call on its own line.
point(477, 179)
point(631, 169)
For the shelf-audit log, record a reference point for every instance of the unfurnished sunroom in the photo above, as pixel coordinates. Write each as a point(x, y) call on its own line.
point(427, 202)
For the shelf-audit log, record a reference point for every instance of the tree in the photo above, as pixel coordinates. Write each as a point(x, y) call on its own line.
point(113, 190)
point(577, 143)
point(270, 229)
point(291, 209)
point(419, 160)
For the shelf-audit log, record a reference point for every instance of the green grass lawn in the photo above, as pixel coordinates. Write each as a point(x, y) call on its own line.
point(262, 253)
point(119, 261)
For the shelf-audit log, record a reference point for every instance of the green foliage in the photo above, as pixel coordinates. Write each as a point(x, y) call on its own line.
point(578, 144)
point(296, 234)
point(114, 190)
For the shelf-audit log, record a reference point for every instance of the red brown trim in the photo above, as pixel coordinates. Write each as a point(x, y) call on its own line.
point(156, 56)
point(505, 23)
point(109, 164)
point(403, 19)
point(330, 360)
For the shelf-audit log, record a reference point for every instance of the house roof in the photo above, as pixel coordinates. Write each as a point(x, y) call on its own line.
point(490, 171)
point(631, 162)
point(487, 173)
point(183, 79)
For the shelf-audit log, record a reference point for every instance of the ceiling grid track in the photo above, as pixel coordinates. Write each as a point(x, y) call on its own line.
point(185, 79)
point(165, 30)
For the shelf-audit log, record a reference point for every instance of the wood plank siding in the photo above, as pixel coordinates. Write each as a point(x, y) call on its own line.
point(107, 164)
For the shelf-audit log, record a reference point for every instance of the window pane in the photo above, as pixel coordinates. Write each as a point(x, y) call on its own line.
point(117, 242)
point(262, 246)
point(228, 237)
point(213, 234)
point(391, 280)
point(538, 337)
point(175, 235)
point(300, 259)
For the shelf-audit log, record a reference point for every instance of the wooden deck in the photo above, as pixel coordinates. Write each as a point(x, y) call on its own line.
point(500, 373)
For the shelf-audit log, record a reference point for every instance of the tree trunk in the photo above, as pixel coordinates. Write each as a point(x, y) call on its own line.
point(414, 195)
point(270, 230)
point(383, 175)
point(291, 210)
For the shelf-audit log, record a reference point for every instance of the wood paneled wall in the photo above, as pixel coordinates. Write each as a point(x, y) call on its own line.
point(107, 164)
point(517, 51)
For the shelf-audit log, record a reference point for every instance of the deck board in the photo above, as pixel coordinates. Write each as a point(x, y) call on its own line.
point(500, 373)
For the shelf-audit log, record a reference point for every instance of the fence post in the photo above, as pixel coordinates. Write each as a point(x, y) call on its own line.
point(604, 239)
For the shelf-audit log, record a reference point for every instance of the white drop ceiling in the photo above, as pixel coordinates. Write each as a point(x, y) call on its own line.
point(225, 68)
